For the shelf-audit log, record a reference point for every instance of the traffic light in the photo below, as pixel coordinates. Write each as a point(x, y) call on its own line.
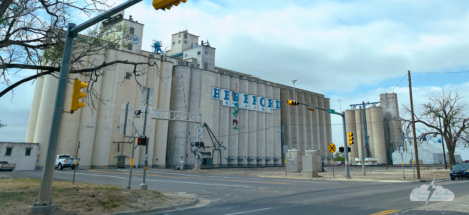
point(350, 138)
point(142, 141)
point(76, 95)
point(341, 149)
point(166, 4)
point(291, 102)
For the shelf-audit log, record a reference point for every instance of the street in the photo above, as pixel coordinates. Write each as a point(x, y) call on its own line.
point(231, 195)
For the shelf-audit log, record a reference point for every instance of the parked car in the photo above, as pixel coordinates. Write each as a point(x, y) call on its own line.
point(64, 160)
point(4, 165)
point(460, 171)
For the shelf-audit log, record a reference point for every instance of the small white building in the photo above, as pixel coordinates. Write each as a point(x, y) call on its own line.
point(428, 154)
point(24, 155)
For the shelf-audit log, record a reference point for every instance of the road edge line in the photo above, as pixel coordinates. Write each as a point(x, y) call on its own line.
point(158, 210)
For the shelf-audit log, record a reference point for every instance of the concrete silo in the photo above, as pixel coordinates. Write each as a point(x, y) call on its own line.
point(294, 123)
point(253, 128)
point(309, 121)
point(351, 127)
point(269, 129)
point(233, 125)
point(322, 131)
point(378, 134)
point(223, 126)
point(261, 126)
point(243, 119)
point(179, 102)
point(360, 136)
point(277, 129)
point(33, 115)
point(194, 107)
point(315, 124)
point(301, 122)
point(369, 127)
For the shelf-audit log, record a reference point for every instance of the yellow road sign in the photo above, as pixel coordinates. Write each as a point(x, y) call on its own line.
point(332, 147)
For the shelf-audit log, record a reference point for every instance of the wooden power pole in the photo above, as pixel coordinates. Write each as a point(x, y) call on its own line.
point(413, 127)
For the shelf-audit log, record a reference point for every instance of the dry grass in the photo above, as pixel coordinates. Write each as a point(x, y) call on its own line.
point(18, 194)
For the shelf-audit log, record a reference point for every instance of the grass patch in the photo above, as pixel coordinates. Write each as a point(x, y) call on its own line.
point(110, 203)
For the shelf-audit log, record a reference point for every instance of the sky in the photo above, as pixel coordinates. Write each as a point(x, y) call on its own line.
point(352, 50)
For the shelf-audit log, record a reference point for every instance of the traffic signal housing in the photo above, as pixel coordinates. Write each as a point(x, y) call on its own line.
point(341, 149)
point(291, 102)
point(142, 140)
point(76, 95)
point(350, 138)
point(349, 149)
point(166, 4)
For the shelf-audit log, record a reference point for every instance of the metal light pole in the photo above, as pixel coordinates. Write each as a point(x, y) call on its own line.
point(44, 203)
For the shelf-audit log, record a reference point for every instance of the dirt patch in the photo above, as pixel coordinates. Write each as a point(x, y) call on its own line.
point(18, 194)
point(390, 174)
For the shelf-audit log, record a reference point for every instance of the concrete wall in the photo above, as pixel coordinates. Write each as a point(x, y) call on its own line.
point(18, 155)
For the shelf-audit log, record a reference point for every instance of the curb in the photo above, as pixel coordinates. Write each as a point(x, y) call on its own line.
point(158, 210)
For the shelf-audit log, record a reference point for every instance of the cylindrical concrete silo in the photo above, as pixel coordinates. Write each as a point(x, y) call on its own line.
point(260, 127)
point(269, 130)
point(252, 144)
point(177, 131)
point(369, 127)
point(224, 124)
point(351, 127)
point(360, 136)
point(285, 114)
point(315, 124)
point(322, 130)
point(308, 122)
point(277, 129)
point(294, 122)
point(301, 121)
point(378, 134)
point(44, 120)
point(243, 126)
point(193, 107)
point(33, 115)
point(233, 140)
point(327, 105)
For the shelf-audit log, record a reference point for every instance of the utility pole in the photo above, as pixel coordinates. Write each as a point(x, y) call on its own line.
point(44, 204)
point(144, 186)
point(413, 127)
point(443, 145)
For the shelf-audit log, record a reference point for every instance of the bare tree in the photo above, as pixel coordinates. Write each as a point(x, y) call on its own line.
point(447, 109)
point(32, 38)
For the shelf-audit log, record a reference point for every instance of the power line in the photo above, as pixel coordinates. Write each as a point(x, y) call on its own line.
point(399, 82)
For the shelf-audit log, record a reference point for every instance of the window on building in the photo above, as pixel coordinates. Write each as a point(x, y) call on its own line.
point(206, 52)
point(185, 55)
point(205, 66)
point(174, 43)
point(28, 152)
point(129, 47)
point(185, 41)
point(179, 41)
point(132, 30)
point(185, 36)
point(198, 53)
point(198, 65)
point(179, 35)
point(8, 151)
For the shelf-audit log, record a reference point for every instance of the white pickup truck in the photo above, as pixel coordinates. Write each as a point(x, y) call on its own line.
point(64, 160)
point(4, 165)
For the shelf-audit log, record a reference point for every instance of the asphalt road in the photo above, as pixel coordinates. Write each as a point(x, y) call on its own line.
point(232, 195)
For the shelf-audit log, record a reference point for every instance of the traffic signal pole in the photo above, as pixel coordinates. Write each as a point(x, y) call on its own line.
point(44, 203)
point(347, 171)
point(144, 186)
